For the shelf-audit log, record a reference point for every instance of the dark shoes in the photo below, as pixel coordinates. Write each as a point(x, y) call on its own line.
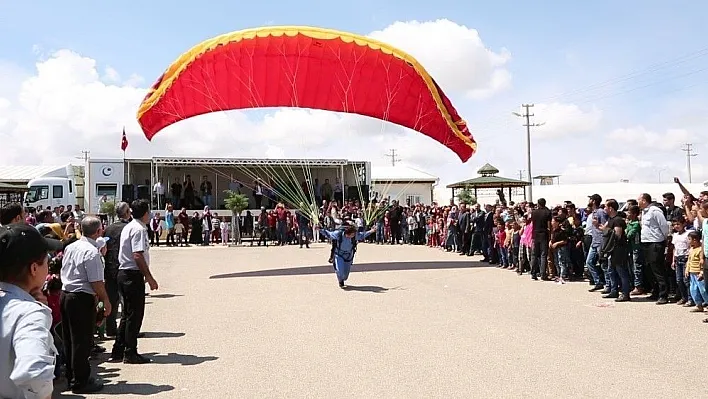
point(341, 284)
point(623, 298)
point(116, 356)
point(135, 359)
point(596, 288)
point(611, 295)
point(662, 301)
point(91, 386)
point(128, 358)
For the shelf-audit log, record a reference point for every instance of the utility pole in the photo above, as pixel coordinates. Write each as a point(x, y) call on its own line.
point(85, 156)
point(527, 115)
point(392, 155)
point(688, 149)
point(521, 174)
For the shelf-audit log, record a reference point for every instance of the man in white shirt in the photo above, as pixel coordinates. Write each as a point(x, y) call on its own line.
point(655, 230)
point(133, 272)
point(338, 191)
point(159, 190)
point(82, 279)
point(27, 351)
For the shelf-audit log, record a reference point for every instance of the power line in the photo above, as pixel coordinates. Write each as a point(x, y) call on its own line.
point(84, 155)
point(587, 95)
point(527, 115)
point(392, 155)
point(688, 149)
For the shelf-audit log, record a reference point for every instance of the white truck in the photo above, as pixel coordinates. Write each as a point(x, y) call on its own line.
point(78, 185)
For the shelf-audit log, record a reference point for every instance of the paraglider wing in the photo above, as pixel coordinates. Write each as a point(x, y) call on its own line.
point(304, 67)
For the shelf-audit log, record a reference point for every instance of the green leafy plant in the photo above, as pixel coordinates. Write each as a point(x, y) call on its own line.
point(466, 196)
point(108, 208)
point(236, 203)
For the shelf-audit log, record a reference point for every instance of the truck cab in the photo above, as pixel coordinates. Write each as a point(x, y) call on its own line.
point(50, 192)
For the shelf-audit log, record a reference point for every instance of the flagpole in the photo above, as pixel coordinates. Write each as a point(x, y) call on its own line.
point(126, 165)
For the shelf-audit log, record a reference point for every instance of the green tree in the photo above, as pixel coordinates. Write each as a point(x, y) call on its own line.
point(108, 208)
point(236, 203)
point(466, 196)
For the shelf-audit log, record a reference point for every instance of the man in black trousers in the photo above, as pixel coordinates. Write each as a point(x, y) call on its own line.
point(111, 272)
point(133, 272)
point(396, 213)
point(82, 279)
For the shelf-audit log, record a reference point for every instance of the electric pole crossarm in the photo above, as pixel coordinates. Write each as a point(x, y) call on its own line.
point(688, 149)
point(527, 115)
point(393, 156)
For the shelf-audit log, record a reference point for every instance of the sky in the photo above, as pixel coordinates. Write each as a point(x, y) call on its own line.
point(619, 88)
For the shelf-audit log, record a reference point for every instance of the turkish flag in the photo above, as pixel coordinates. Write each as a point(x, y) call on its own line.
point(124, 141)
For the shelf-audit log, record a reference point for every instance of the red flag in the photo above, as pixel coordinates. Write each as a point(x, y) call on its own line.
point(124, 142)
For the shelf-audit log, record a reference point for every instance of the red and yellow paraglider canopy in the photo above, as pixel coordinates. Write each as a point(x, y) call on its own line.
point(304, 67)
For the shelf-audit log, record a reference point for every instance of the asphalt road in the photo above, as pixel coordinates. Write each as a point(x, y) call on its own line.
point(415, 323)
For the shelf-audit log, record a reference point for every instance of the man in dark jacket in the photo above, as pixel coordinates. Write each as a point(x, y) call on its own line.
point(395, 214)
point(463, 223)
point(112, 232)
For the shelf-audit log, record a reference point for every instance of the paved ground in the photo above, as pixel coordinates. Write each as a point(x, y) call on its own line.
point(416, 323)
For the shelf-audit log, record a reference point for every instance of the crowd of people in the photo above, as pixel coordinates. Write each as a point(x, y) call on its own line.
point(60, 288)
point(644, 248)
point(63, 273)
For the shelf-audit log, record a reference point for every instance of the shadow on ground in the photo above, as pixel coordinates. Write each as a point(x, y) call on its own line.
point(164, 296)
point(111, 388)
point(104, 372)
point(162, 334)
point(366, 288)
point(178, 358)
point(358, 267)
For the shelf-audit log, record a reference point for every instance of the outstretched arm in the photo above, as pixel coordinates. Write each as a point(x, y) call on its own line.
point(362, 236)
point(683, 188)
point(330, 235)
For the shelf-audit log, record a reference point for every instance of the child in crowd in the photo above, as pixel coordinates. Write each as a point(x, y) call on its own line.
point(575, 246)
point(387, 227)
point(559, 249)
point(52, 290)
point(694, 271)
point(526, 245)
point(499, 244)
point(216, 229)
point(508, 237)
point(680, 242)
point(225, 232)
point(179, 233)
point(442, 232)
point(516, 245)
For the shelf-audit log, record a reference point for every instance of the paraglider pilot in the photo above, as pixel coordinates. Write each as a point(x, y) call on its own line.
point(344, 242)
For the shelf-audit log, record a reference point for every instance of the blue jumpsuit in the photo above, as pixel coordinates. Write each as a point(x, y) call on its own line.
point(343, 256)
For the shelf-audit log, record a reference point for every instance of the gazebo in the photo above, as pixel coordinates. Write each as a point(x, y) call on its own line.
point(488, 179)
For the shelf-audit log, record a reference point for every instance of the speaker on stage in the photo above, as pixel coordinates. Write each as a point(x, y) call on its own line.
point(143, 192)
point(353, 193)
point(128, 193)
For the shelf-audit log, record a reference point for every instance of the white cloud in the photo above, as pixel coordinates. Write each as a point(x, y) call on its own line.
point(453, 54)
point(630, 167)
point(71, 102)
point(4, 112)
point(671, 140)
point(111, 75)
point(561, 120)
point(610, 169)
